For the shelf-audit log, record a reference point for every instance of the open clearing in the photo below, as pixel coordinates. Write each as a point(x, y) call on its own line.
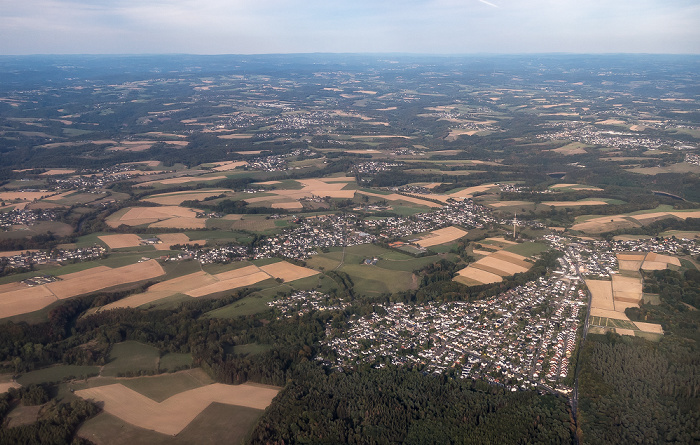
point(441, 236)
point(18, 298)
point(173, 414)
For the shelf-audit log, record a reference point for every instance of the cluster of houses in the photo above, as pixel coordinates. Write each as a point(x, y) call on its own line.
point(303, 302)
point(521, 339)
point(219, 254)
point(24, 217)
point(29, 259)
point(371, 167)
point(275, 162)
point(692, 158)
point(322, 231)
point(590, 134)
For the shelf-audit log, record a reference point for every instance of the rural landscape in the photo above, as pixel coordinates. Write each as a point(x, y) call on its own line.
point(349, 249)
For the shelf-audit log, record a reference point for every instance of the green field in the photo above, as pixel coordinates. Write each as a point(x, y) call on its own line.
point(612, 323)
point(527, 249)
point(174, 360)
point(249, 305)
point(131, 357)
point(57, 374)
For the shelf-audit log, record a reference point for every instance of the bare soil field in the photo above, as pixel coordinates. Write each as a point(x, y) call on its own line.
point(441, 236)
point(164, 216)
point(505, 266)
point(479, 275)
point(630, 265)
point(177, 198)
point(608, 313)
point(602, 293)
point(24, 300)
point(226, 285)
point(575, 187)
point(226, 166)
point(10, 253)
point(649, 327)
point(175, 413)
point(627, 287)
point(180, 180)
point(574, 203)
point(397, 197)
point(5, 386)
point(631, 256)
point(508, 203)
point(604, 224)
point(169, 239)
point(58, 171)
point(120, 241)
point(102, 279)
point(657, 257)
point(25, 196)
point(513, 258)
point(181, 223)
point(288, 271)
point(287, 205)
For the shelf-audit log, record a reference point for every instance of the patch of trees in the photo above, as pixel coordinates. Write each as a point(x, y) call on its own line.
point(57, 425)
point(398, 405)
point(635, 391)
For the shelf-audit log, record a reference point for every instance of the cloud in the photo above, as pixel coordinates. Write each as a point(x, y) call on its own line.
point(433, 26)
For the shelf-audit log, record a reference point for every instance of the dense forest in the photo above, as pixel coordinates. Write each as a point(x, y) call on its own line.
point(398, 405)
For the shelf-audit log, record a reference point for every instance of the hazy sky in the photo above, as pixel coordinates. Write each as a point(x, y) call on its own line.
point(286, 26)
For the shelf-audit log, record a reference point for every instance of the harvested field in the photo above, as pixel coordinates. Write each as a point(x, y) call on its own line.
point(58, 171)
point(25, 196)
point(181, 223)
point(170, 239)
point(649, 327)
point(287, 205)
point(441, 236)
point(397, 197)
point(604, 224)
point(631, 265)
point(479, 275)
point(165, 289)
point(505, 266)
point(627, 287)
point(16, 252)
point(5, 386)
point(575, 187)
point(24, 300)
point(602, 293)
point(574, 203)
point(513, 258)
point(229, 166)
point(608, 313)
point(654, 265)
point(223, 286)
point(146, 215)
point(180, 180)
point(102, 279)
point(288, 271)
point(509, 203)
point(177, 198)
point(656, 257)
point(631, 256)
point(120, 241)
point(174, 414)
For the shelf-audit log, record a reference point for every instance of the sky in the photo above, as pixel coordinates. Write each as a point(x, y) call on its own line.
point(342, 26)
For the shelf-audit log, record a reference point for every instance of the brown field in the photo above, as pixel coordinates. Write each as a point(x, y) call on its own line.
point(102, 279)
point(631, 256)
point(654, 265)
point(288, 199)
point(481, 252)
point(165, 216)
point(25, 196)
point(627, 287)
point(288, 271)
point(173, 414)
point(602, 294)
point(649, 327)
point(657, 257)
point(608, 313)
point(504, 265)
point(574, 203)
point(226, 285)
point(479, 275)
point(631, 265)
point(119, 241)
point(514, 258)
point(169, 239)
point(5, 386)
point(287, 205)
point(229, 166)
point(21, 300)
point(237, 136)
point(16, 252)
point(441, 236)
point(575, 148)
point(509, 203)
point(58, 171)
point(176, 198)
point(574, 186)
point(604, 224)
point(611, 122)
point(181, 223)
point(180, 180)
point(397, 197)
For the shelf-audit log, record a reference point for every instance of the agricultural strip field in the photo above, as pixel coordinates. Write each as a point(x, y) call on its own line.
point(441, 236)
point(172, 415)
point(200, 283)
point(177, 198)
point(121, 241)
point(602, 294)
point(164, 216)
point(492, 268)
point(18, 298)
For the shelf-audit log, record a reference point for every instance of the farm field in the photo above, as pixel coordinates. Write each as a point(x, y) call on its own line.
point(172, 415)
point(441, 236)
point(599, 224)
point(177, 198)
point(493, 267)
point(200, 283)
point(131, 357)
point(18, 298)
point(163, 216)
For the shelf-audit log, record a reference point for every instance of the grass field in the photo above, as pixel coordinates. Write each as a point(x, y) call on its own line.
point(174, 360)
point(131, 357)
point(527, 249)
point(57, 374)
